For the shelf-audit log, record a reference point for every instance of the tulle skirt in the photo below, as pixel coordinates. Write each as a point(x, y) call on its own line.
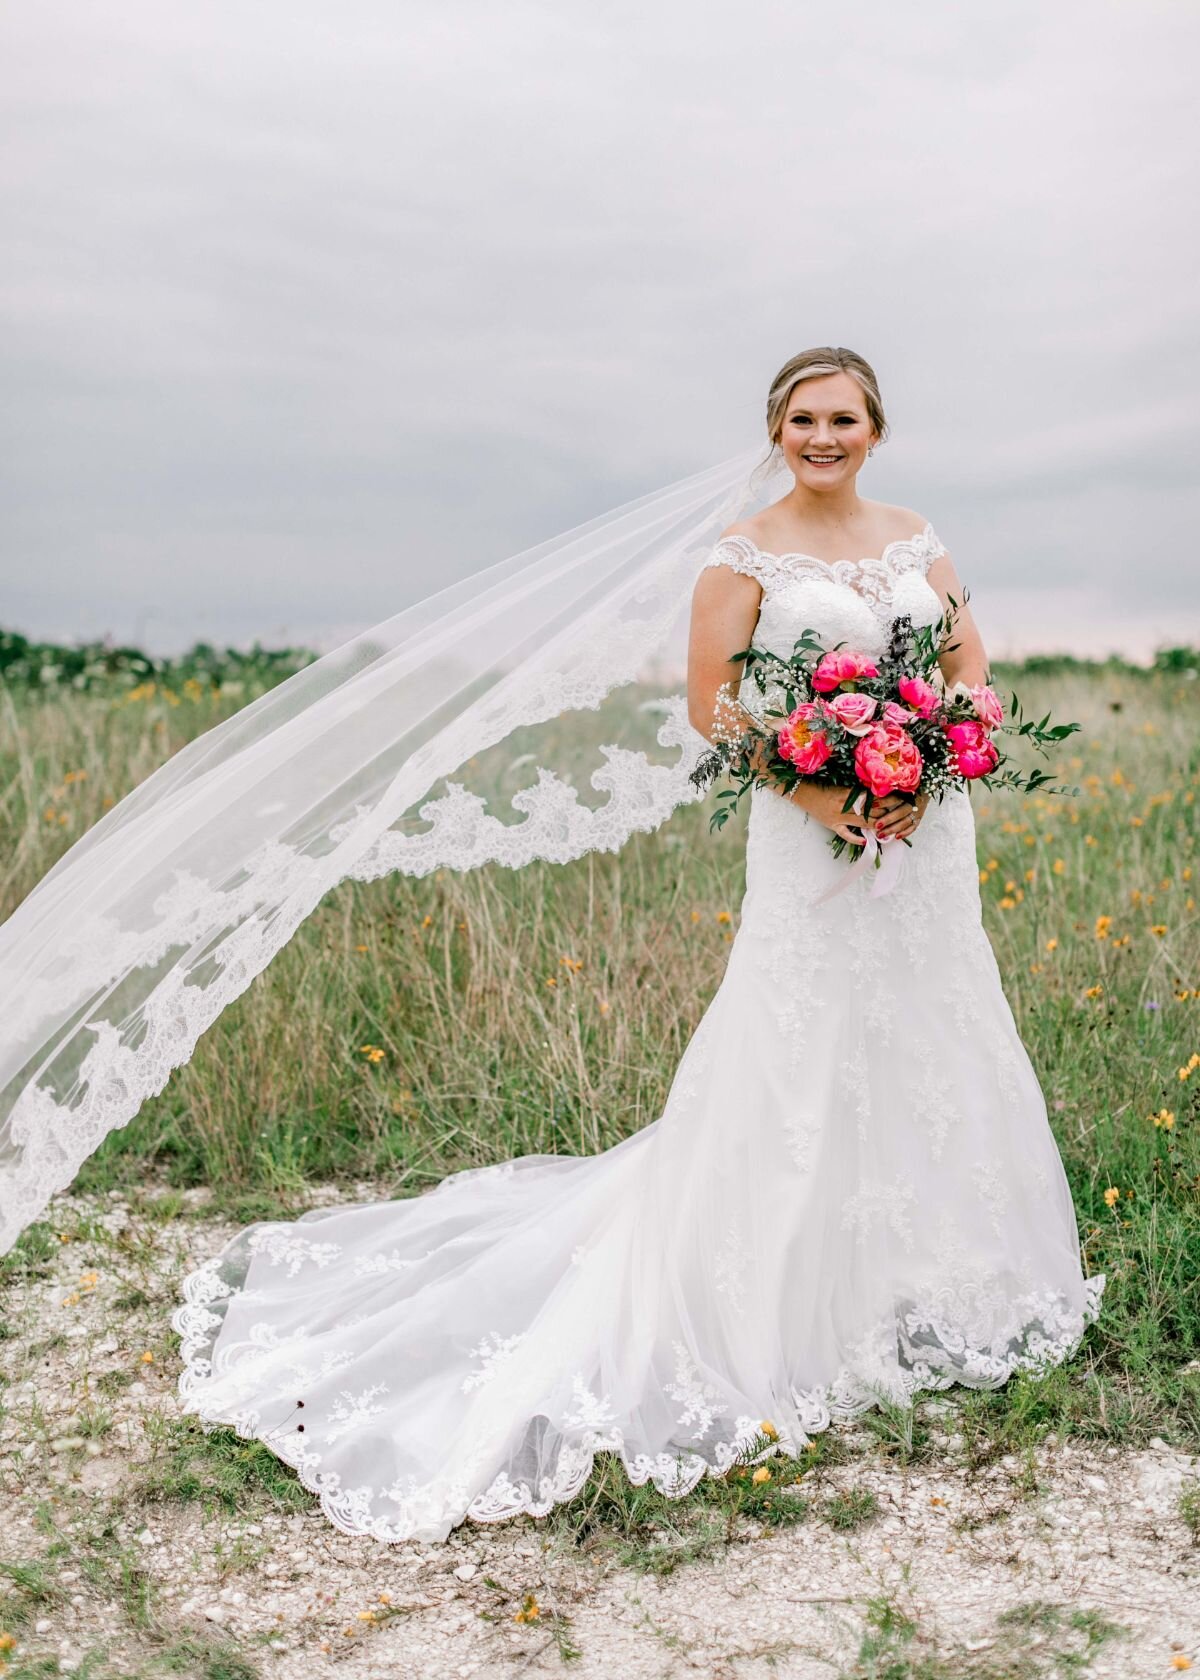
point(852, 1194)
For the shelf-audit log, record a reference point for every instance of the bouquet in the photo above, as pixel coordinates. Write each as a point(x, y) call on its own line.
point(876, 726)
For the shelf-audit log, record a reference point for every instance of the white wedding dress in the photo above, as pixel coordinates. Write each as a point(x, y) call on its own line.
point(852, 1193)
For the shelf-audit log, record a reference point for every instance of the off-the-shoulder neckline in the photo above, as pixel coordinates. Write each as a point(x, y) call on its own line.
point(832, 565)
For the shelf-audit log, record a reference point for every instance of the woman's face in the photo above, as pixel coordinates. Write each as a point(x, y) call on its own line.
point(826, 417)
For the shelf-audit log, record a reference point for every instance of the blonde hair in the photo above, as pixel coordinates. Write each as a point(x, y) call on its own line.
point(812, 364)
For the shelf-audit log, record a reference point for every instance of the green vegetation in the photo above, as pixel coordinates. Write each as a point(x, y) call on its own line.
point(415, 1027)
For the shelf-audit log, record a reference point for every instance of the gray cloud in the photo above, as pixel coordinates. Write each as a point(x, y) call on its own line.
point(310, 311)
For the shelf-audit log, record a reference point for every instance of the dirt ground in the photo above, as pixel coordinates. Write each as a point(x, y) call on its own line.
point(1069, 1560)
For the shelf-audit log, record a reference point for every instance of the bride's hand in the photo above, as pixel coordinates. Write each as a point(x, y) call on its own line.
point(825, 804)
point(898, 815)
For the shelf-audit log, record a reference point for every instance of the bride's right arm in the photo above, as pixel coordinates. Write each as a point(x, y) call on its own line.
point(724, 613)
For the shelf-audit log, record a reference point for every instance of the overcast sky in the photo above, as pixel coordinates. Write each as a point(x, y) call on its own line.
point(311, 308)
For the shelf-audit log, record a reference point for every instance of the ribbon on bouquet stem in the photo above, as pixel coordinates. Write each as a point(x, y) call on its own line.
point(889, 851)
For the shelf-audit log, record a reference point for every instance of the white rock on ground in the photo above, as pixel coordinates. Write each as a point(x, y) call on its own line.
point(1101, 1532)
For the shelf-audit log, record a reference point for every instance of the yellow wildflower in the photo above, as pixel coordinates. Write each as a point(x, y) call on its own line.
point(1112, 1195)
point(1094, 992)
point(372, 1052)
point(1052, 944)
point(530, 1610)
point(724, 916)
point(762, 1474)
point(1103, 923)
point(147, 1357)
point(1060, 867)
point(769, 1430)
point(1164, 1118)
point(1159, 930)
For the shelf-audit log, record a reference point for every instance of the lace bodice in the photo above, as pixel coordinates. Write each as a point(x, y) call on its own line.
point(852, 601)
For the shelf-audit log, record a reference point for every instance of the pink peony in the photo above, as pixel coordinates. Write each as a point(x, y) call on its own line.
point(921, 696)
point(802, 745)
point(897, 714)
point(834, 669)
point(853, 711)
point(887, 760)
point(974, 754)
point(987, 706)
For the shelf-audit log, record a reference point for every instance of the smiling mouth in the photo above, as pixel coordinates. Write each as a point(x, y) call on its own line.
point(824, 460)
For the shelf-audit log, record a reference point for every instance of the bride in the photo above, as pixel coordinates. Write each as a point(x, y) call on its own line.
point(851, 1194)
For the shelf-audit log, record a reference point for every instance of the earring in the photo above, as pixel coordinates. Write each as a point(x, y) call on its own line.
point(871, 449)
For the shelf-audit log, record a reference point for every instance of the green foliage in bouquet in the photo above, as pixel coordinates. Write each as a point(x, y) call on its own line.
point(875, 726)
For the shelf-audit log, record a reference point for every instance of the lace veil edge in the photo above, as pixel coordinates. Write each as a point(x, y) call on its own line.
point(158, 917)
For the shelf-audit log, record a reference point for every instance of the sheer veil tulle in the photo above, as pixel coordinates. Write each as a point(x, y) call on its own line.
point(163, 913)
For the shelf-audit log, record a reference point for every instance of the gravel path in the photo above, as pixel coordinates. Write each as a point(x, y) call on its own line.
point(1011, 1571)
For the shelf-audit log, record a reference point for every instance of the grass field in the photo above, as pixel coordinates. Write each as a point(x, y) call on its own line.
point(412, 1028)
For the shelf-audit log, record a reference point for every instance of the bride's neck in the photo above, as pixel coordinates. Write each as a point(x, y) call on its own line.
point(835, 512)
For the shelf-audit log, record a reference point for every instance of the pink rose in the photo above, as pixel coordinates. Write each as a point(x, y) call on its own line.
point(921, 696)
point(853, 711)
point(835, 669)
point(974, 754)
point(987, 706)
point(802, 745)
point(897, 714)
point(887, 760)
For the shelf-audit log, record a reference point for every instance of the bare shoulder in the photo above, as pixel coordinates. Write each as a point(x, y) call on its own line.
point(904, 519)
point(758, 527)
point(744, 528)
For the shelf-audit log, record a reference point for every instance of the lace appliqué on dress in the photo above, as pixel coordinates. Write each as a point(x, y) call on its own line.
point(873, 578)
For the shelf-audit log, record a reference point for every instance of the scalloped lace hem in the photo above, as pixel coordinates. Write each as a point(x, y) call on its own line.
point(433, 1516)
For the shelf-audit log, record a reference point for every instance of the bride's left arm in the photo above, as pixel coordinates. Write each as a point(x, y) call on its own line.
point(964, 658)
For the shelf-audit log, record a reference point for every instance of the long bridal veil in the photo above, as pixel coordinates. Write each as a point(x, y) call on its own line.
point(549, 685)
